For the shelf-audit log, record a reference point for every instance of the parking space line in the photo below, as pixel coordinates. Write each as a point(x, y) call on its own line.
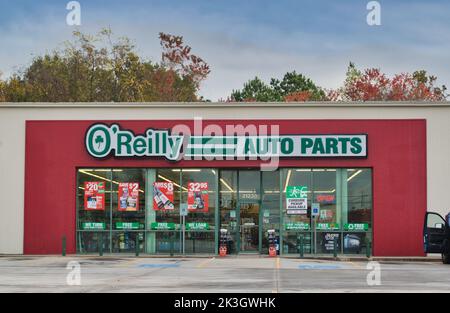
point(205, 263)
point(277, 275)
point(358, 266)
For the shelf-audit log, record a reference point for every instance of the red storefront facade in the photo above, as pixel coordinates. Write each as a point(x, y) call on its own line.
point(396, 155)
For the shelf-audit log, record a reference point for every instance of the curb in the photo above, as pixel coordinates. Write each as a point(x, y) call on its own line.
point(311, 258)
point(377, 259)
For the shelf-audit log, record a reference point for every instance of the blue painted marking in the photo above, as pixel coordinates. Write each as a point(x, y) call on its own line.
point(319, 267)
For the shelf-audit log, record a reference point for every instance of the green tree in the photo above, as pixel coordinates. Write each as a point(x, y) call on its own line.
point(293, 87)
point(103, 68)
point(254, 90)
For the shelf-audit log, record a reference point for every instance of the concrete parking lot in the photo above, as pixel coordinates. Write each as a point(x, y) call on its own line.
point(218, 275)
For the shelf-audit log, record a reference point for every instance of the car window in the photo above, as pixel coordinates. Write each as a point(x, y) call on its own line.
point(435, 221)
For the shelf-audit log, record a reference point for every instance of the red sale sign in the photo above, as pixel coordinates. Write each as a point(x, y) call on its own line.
point(198, 197)
point(128, 197)
point(163, 196)
point(94, 196)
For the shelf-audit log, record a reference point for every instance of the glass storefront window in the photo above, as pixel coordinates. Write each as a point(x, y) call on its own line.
point(199, 192)
point(128, 199)
point(324, 193)
point(249, 186)
point(163, 211)
point(344, 199)
point(296, 177)
point(270, 206)
point(119, 208)
point(93, 210)
point(167, 242)
point(228, 190)
point(296, 225)
point(359, 196)
point(169, 176)
point(90, 241)
point(125, 242)
point(357, 211)
point(94, 199)
point(199, 242)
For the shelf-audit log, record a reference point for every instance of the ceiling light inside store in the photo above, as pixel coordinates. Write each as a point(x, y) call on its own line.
point(169, 181)
point(187, 170)
point(103, 178)
point(354, 175)
point(287, 180)
point(226, 185)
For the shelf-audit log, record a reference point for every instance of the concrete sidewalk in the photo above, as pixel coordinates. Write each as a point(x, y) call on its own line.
point(325, 257)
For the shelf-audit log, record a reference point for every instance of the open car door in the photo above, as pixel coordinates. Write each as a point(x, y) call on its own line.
point(434, 232)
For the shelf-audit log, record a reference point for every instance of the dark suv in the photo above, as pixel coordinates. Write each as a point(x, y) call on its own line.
point(436, 235)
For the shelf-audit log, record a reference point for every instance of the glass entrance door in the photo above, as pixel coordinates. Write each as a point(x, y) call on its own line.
point(249, 227)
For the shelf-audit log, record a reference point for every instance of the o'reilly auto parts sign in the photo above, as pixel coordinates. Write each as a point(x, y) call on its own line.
point(103, 141)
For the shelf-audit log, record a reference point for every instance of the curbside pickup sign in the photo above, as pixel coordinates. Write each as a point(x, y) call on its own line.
point(102, 141)
point(296, 199)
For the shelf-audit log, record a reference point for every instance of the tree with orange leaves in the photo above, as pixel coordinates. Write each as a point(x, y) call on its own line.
point(373, 85)
point(177, 57)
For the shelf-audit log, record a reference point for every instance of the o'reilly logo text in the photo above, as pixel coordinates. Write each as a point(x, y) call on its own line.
point(103, 140)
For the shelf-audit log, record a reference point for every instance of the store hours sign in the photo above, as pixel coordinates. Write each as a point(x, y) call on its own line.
point(103, 140)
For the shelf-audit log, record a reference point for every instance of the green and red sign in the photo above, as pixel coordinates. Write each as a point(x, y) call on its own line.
point(128, 197)
point(94, 196)
point(163, 195)
point(198, 198)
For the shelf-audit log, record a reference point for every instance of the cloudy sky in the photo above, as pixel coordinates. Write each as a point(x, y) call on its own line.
point(241, 39)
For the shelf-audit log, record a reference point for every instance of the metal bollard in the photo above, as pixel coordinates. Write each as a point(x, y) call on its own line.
point(136, 243)
point(171, 245)
point(64, 246)
point(335, 248)
point(100, 244)
point(368, 248)
point(301, 247)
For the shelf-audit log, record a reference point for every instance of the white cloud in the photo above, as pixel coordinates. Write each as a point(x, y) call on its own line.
point(238, 50)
